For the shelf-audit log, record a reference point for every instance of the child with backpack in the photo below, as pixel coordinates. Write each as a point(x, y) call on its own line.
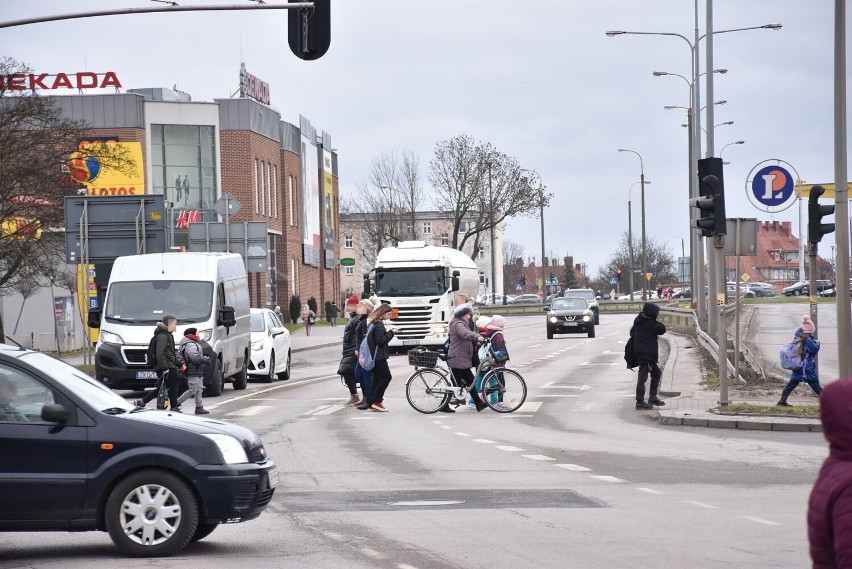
point(798, 357)
point(191, 353)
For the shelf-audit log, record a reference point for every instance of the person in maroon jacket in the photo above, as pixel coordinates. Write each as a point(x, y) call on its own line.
point(830, 506)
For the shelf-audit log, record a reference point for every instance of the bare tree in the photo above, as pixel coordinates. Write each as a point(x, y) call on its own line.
point(479, 187)
point(513, 263)
point(387, 203)
point(36, 142)
point(660, 262)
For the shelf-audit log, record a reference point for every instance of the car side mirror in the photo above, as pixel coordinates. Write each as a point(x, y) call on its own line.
point(277, 332)
point(94, 318)
point(55, 413)
point(545, 309)
point(227, 317)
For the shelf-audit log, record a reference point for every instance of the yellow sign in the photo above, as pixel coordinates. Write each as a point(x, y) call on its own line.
point(648, 276)
point(720, 298)
point(86, 167)
point(746, 277)
point(804, 190)
point(20, 229)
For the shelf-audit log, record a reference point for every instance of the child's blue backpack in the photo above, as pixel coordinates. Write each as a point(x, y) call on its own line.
point(790, 357)
point(366, 359)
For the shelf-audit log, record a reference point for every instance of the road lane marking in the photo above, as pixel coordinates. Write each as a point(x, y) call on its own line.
point(534, 346)
point(362, 418)
point(438, 422)
point(546, 385)
point(484, 441)
point(594, 364)
point(314, 410)
point(462, 434)
point(446, 427)
point(274, 388)
point(537, 457)
point(580, 387)
point(510, 448)
point(530, 406)
point(651, 491)
point(372, 553)
point(331, 409)
point(701, 505)
point(557, 395)
point(514, 416)
point(608, 478)
point(574, 467)
point(760, 520)
point(249, 411)
point(405, 566)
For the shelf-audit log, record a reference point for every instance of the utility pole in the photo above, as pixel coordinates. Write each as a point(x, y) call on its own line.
point(841, 192)
point(493, 252)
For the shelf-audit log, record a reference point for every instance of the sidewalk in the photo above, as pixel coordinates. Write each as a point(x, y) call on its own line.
point(689, 403)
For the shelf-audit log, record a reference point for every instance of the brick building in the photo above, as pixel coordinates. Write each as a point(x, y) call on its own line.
point(777, 258)
point(192, 152)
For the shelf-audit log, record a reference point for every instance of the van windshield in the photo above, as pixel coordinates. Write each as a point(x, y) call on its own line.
point(410, 282)
point(148, 301)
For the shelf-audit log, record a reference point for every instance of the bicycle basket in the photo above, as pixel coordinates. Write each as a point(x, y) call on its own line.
point(422, 357)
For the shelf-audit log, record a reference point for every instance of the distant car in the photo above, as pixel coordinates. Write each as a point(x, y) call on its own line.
point(821, 286)
point(270, 346)
point(570, 315)
point(526, 299)
point(483, 300)
point(684, 293)
point(78, 456)
point(762, 290)
point(637, 295)
point(745, 291)
point(589, 296)
point(794, 289)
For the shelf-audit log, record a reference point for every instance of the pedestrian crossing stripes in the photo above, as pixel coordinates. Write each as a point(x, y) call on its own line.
point(248, 411)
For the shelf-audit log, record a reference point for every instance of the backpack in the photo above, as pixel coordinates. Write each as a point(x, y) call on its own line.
point(151, 353)
point(790, 358)
point(365, 358)
point(630, 354)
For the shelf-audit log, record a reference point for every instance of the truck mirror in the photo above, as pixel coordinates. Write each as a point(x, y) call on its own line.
point(227, 317)
point(455, 284)
point(94, 319)
point(366, 284)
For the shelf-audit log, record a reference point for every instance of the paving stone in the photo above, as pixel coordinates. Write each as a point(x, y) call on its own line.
point(722, 423)
point(792, 427)
point(694, 422)
point(755, 425)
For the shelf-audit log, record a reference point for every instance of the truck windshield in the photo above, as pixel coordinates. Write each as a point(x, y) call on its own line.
point(410, 282)
point(148, 301)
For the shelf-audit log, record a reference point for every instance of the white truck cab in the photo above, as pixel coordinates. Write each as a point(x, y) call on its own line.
point(207, 291)
point(420, 283)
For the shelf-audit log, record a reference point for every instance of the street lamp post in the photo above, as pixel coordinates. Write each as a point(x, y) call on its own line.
point(541, 217)
point(679, 268)
point(642, 187)
point(730, 144)
point(630, 233)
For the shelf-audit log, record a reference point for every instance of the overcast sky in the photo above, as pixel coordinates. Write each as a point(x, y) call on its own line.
point(538, 79)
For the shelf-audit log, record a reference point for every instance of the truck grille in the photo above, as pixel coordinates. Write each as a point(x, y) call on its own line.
point(134, 356)
point(413, 322)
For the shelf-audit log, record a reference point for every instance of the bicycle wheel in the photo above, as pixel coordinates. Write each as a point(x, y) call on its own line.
point(427, 390)
point(504, 390)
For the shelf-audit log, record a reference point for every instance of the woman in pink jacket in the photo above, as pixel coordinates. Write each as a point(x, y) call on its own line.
point(830, 507)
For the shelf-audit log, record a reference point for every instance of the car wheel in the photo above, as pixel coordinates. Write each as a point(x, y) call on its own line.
point(285, 375)
point(592, 332)
point(241, 378)
point(218, 382)
point(797, 292)
point(597, 318)
point(549, 334)
point(271, 375)
point(203, 530)
point(151, 514)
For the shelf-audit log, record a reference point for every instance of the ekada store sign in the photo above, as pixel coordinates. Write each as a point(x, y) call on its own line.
point(56, 81)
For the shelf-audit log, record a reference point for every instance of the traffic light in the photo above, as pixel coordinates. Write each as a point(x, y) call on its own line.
point(816, 229)
point(309, 30)
point(711, 204)
point(552, 276)
point(618, 275)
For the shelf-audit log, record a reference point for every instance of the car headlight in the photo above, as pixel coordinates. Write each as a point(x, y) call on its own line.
point(231, 449)
point(205, 335)
point(553, 319)
point(257, 346)
point(586, 318)
point(110, 338)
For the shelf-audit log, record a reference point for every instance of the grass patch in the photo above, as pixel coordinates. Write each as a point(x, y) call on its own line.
point(87, 369)
point(712, 379)
point(740, 408)
point(781, 299)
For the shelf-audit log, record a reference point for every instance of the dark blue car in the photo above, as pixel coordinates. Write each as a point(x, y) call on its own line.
point(74, 456)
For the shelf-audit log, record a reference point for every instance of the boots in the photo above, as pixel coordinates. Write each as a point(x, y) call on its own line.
point(783, 401)
point(353, 400)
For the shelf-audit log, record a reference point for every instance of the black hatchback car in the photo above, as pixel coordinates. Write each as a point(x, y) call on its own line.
point(78, 457)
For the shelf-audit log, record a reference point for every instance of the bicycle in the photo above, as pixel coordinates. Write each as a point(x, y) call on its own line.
point(431, 387)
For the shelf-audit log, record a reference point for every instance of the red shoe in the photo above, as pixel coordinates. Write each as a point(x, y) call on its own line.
point(378, 407)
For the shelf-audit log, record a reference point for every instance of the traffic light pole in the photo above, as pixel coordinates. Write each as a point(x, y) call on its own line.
point(841, 192)
point(721, 329)
point(812, 276)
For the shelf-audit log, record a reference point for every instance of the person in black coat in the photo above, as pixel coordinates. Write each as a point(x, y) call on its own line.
point(377, 342)
point(350, 351)
point(644, 332)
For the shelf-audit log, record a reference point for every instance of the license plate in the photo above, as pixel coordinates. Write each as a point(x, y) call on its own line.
point(146, 375)
point(571, 324)
point(273, 478)
point(410, 342)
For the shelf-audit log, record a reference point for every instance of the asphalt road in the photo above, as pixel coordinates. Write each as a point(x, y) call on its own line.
point(577, 478)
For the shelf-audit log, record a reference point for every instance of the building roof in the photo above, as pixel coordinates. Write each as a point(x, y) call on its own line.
point(774, 238)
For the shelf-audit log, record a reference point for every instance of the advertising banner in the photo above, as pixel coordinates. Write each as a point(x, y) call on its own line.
point(328, 200)
point(310, 203)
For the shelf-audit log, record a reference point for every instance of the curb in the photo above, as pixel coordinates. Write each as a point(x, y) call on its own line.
point(315, 347)
point(714, 421)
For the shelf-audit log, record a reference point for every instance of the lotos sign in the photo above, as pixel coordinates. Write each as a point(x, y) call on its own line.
point(50, 81)
point(85, 168)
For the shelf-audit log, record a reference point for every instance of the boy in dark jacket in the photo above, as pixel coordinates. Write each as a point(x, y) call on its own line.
point(350, 350)
point(195, 361)
point(166, 364)
point(645, 345)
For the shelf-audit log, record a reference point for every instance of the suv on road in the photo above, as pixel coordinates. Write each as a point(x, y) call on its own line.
point(588, 295)
point(77, 456)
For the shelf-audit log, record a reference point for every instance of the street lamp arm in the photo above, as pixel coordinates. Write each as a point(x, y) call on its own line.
point(763, 27)
point(613, 33)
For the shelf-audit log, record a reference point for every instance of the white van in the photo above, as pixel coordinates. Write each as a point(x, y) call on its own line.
point(207, 291)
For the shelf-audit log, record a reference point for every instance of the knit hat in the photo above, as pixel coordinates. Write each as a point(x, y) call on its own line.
point(482, 322)
point(462, 311)
point(352, 300)
point(808, 326)
point(188, 331)
point(497, 322)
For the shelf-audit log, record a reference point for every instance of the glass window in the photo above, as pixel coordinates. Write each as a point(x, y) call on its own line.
point(348, 242)
point(257, 322)
point(413, 282)
point(256, 195)
point(178, 155)
point(427, 228)
point(157, 133)
point(21, 396)
point(270, 321)
point(350, 271)
point(148, 301)
point(208, 136)
point(181, 134)
point(462, 227)
point(445, 240)
point(262, 188)
point(481, 254)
